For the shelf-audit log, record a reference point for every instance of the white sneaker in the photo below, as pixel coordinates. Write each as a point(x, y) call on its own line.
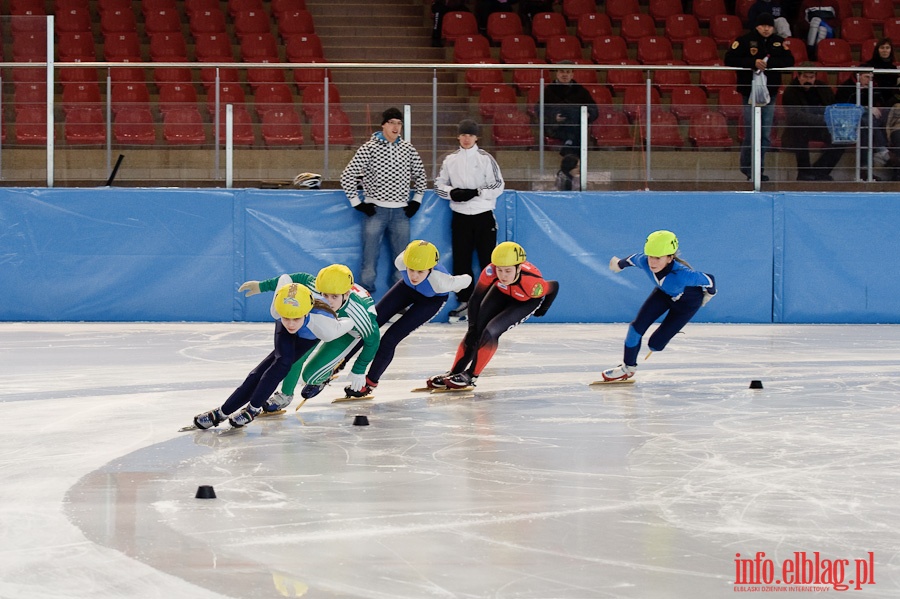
point(881, 157)
point(619, 373)
point(278, 401)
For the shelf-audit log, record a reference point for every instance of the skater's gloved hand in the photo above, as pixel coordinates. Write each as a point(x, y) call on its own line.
point(251, 287)
point(357, 381)
point(411, 208)
point(614, 264)
point(462, 195)
point(709, 292)
point(367, 209)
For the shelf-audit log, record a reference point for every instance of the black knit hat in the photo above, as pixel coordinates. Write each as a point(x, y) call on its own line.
point(467, 127)
point(765, 18)
point(390, 114)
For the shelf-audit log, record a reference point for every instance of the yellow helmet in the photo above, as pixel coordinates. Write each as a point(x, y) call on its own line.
point(293, 301)
point(508, 253)
point(421, 255)
point(661, 243)
point(334, 280)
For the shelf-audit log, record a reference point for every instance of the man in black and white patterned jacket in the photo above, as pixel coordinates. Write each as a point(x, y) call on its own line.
point(384, 166)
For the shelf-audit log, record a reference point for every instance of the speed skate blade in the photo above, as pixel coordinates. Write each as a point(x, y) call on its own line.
point(617, 382)
point(421, 390)
point(300, 405)
point(192, 427)
point(265, 414)
point(469, 388)
point(343, 399)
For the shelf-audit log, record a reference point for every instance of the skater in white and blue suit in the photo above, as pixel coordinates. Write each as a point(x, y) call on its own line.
point(680, 291)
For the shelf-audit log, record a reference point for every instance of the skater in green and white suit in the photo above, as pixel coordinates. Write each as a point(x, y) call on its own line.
point(334, 284)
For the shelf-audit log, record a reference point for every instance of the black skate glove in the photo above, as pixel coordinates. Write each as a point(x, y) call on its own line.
point(462, 195)
point(411, 208)
point(367, 209)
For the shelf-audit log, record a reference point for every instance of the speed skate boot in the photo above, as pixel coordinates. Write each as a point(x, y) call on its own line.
point(209, 419)
point(622, 372)
point(278, 401)
point(438, 381)
point(460, 380)
point(309, 391)
point(459, 314)
point(367, 389)
point(244, 417)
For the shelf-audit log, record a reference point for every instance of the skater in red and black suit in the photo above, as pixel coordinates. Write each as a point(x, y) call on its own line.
point(508, 291)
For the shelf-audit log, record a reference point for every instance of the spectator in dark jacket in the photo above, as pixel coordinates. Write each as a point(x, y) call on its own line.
point(805, 99)
point(563, 100)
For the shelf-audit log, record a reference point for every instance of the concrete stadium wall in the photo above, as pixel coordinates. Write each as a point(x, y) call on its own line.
point(112, 254)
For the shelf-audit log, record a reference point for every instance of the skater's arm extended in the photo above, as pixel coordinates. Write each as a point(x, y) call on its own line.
point(254, 287)
point(443, 282)
point(327, 328)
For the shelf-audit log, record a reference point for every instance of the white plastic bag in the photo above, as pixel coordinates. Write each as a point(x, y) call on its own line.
point(759, 92)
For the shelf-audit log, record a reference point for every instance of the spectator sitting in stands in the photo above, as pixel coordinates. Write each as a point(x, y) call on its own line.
point(846, 94)
point(484, 8)
point(817, 21)
point(805, 99)
point(886, 83)
point(892, 128)
point(774, 8)
point(563, 100)
point(529, 8)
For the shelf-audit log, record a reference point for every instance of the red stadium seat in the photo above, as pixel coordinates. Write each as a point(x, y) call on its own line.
point(129, 96)
point(655, 49)
point(31, 126)
point(742, 9)
point(278, 96)
point(715, 81)
point(731, 103)
point(593, 25)
point(30, 46)
point(314, 98)
point(191, 7)
point(279, 7)
point(623, 79)
point(797, 48)
point(470, 49)
point(867, 50)
point(134, 126)
point(122, 47)
point(492, 98)
point(562, 47)
point(259, 47)
point(877, 10)
point(617, 10)
point(634, 101)
point(306, 77)
point(238, 6)
point(612, 129)
point(681, 27)
point(664, 129)
point(856, 31)
point(339, 132)
point(169, 47)
point(85, 126)
point(705, 10)
point(118, 21)
point(174, 96)
point(687, 101)
point(27, 7)
point(518, 49)
point(73, 20)
point(281, 128)
point(81, 95)
point(184, 126)
point(700, 50)
point(250, 22)
point(229, 93)
point(526, 79)
point(457, 24)
point(573, 10)
point(609, 49)
point(661, 10)
point(724, 29)
point(636, 26)
point(709, 129)
point(512, 128)
point(29, 95)
point(891, 28)
point(76, 46)
point(207, 22)
point(501, 24)
point(242, 126)
point(304, 48)
point(213, 47)
point(113, 5)
point(668, 80)
point(29, 22)
point(600, 94)
point(478, 78)
point(834, 52)
point(547, 24)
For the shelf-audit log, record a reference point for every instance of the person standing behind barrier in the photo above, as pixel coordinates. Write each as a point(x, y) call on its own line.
point(885, 83)
point(563, 100)
point(805, 99)
point(759, 50)
point(846, 94)
point(384, 166)
point(568, 177)
point(470, 179)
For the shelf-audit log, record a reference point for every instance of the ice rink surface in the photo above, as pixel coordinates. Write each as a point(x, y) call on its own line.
point(535, 485)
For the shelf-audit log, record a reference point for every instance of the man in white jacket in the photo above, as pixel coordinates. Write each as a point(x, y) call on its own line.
point(470, 179)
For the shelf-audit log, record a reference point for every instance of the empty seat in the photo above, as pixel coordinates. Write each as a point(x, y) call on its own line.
point(867, 50)
point(636, 26)
point(339, 132)
point(709, 129)
point(168, 47)
point(163, 20)
point(129, 95)
point(242, 126)
point(492, 98)
point(85, 126)
point(724, 29)
point(593, 25)
point(304, 48)
point(314, 98)
point(655, 49)
point(31, 125)
point(28, 22)
point(213, 47)
point(471, 49)
point(664, 130)
point(623, 79)
point(501, 24)
point(259, 76)
point(609, 49)
point(731, 103)
point(797, 48)
point(700, 50)
point(281, 128)
point(681, 27)
point(76, 46)
point(856, 30)
point(250, 22)
point(573, 10)
point(122, 47)
point(259, 47)
point(617, 10)
point(273, 96)
point(152, 6)
point(742, 9)
point(29, 7)
point(112, 5)
point(634, 101)
point(705, 10)
point(512, 128)
point(118, 21)
point(611, 129)
point(134, 126)
point(600, 94)
point(891, 28)
point(547, 24)
point(192, 7)
point(229, 93)
point(834, 52)
point(478, 78)
point(175, 96)
point(457, 24)
point(74, 19)
point(669, 79)
point(80, 95)
point(207, 21)
point(661, 10)
point(687, 101)
point(877, 10)
point(30, 95)
point(518, 49)
point(295, 22)
point(183, 126)
point(279, 7)
point(237, 6)
point(715, 81)
point(563, 47)
point(305, 77)
point(526, 79)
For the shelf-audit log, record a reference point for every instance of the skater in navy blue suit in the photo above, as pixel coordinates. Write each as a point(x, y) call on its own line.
point(680, 291)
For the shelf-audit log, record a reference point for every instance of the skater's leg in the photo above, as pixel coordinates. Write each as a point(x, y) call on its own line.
point(420, 311)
